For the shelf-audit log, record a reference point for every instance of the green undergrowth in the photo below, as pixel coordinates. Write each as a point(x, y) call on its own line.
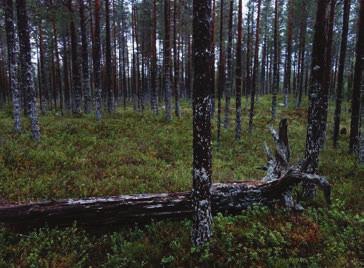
point(128, 152)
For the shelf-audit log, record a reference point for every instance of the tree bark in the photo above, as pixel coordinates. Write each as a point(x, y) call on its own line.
point(201, 192)
point(11, 45)
point(108, 85)
point(239, 74)
point(355, 101)
point(317, 84)
point(221, 73)
point(85, 66)
point(96, 63)
point(167, 62)
point(229, 67)
point(153, 97)
point(255, 70)
point(26, 58)
point(340, 75)
point(275, 65)
point(287, 71)
point(76, 109)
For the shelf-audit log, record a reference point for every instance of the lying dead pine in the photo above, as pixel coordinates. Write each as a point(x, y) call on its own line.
point(274, 188)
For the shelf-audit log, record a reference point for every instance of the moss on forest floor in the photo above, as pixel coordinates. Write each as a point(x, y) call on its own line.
point(129, 152)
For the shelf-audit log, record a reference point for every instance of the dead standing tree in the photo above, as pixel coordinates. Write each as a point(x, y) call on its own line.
point(274, 189)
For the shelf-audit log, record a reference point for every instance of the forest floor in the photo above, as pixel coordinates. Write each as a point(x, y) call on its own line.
point(129, 152)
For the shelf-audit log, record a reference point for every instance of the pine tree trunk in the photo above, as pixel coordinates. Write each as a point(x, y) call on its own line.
point(85, 66)
point(275, 65)
point(201, 193)
point(255, 69)
point(176, 90)
point(287, 71)
point(221, 73)
point(11, 45)
point(153, 97)
point(43, 87)
point(76, 81)
point(355, 102)
point(110, 91)
point(302, 42)
point(229, 67)
point(340, 75)
point(96, 62)
point(66, 81)
point(26, 58)
point(167, 62)
point(317, 84)
point(327, 73)
point(238, 74)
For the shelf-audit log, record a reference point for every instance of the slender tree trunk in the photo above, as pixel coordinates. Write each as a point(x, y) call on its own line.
point(85, 66)
point(255, 69)
point(327, 72)
point(302, 44)
point(221, 72)
point(58, 66)
point(153, 97)
point(167, 62)
point(287, 71)
point(317, 84)
point(340, 78)
point(11, 44)
point(275, 65)
point(75, 65)
point(213, 58)
point(229, 67)
point(176, 89)
point(96, 63)
point(355, 102)
point(238, 74)
point(110, 95)
point(43, 88)
point(26, 58)
point(201, 192)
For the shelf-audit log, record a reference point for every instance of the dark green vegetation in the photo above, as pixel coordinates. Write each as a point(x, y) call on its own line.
point(131, 153)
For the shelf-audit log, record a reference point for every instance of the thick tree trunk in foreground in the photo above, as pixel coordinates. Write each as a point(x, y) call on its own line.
point(10, 38)
point(355, 102)
point(26, 59)
point(202, 82)
point(340, 76)
point(274, 189)
point(317, 85)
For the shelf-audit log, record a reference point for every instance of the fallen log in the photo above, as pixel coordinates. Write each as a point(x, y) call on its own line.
point(142, 208)
point(93, 212)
